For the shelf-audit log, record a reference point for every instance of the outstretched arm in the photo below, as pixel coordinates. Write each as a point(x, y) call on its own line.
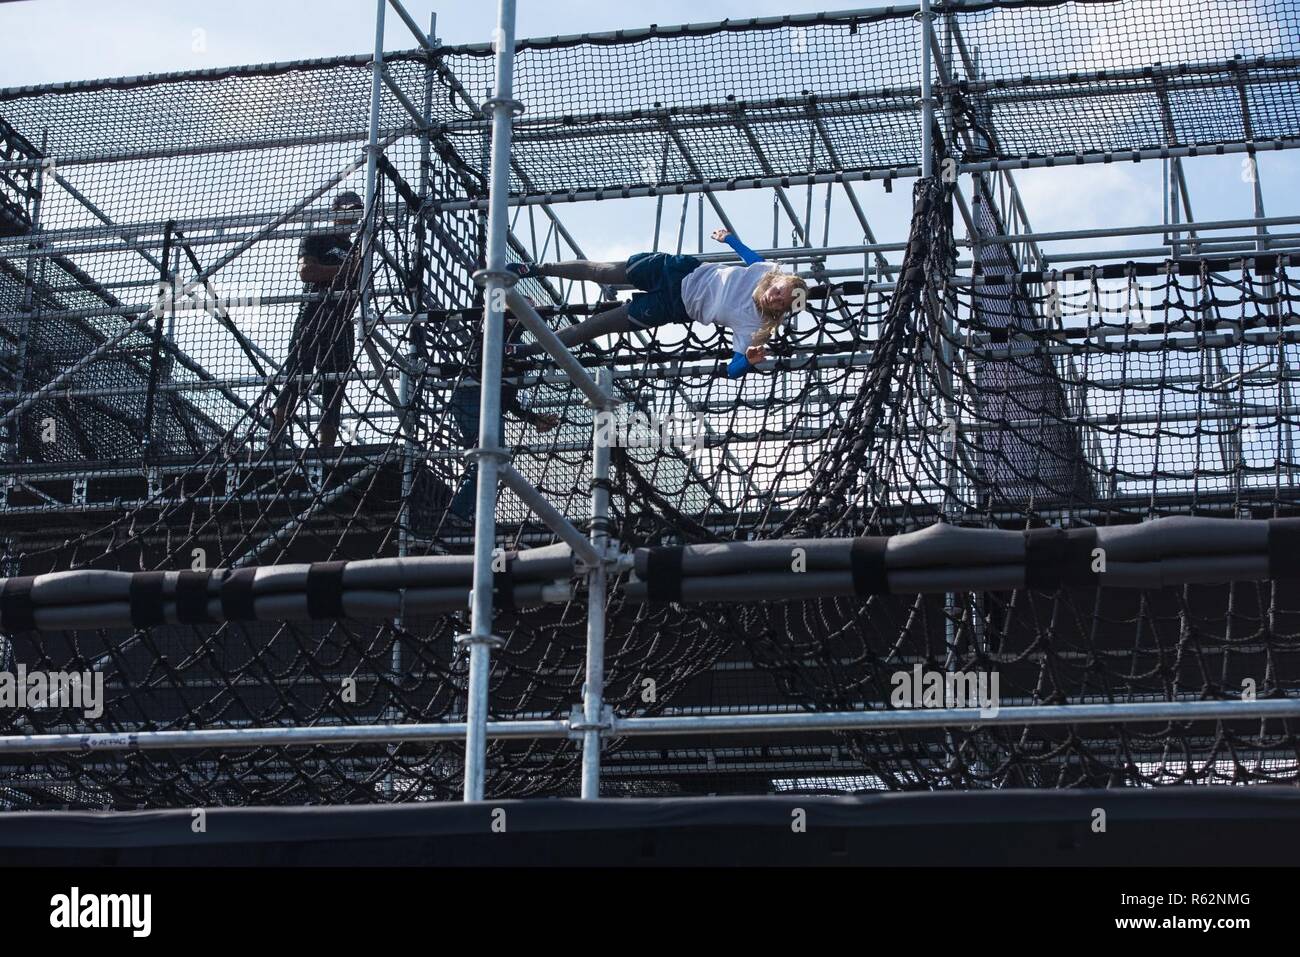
point(744, 252)
point(738, 365)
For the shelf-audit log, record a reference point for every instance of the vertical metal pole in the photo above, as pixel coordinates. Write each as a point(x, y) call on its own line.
point(1262, 231)
point(593, 689)
point(945, 354)
point(404, 381)
point(1165, 194)
point(372, 171)
point(1275, 311)
point(497, 281)
point(164, 305)
point(1175, 217)
point(927, 103)
point(30, 277)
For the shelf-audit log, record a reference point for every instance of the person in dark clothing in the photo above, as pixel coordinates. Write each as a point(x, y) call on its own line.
point(329, 264)
point(464, 404)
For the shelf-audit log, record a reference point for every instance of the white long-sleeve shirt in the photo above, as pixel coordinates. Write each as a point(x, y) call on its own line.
point(722, 294)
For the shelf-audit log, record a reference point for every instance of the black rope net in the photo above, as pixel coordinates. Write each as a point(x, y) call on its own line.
point(152, 319)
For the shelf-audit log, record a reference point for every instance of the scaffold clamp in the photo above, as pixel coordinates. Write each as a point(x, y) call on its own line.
point(579, 725)
point(469, 640)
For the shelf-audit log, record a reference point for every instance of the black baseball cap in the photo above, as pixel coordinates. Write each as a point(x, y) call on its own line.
point(348, 200)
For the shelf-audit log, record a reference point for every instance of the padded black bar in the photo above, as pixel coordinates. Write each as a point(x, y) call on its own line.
point(867, 562)
point(237, 595)
point(1056, 557)
point(192, 597)
point(325, 590)
point(663, 574)
point(1284, 548)
point(17, 613)
point(146, 598)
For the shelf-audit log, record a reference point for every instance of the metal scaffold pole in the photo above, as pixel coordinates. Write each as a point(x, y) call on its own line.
point(497, 281)
point(372, 173)
point(594, 720)
point(927, 99)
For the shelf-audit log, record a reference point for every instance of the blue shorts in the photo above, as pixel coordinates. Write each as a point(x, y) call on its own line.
point(659, 277)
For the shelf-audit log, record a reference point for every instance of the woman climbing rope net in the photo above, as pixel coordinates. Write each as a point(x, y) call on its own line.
point(751, 300)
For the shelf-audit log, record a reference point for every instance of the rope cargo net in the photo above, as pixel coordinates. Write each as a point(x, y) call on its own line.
point(149, 234)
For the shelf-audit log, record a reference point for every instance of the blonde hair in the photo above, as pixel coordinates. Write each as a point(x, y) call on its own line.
point(771, 318)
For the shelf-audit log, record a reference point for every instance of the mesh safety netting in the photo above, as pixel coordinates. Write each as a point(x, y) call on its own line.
point(140, 424)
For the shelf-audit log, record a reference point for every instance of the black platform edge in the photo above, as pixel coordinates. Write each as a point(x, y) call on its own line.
point(1175, 826)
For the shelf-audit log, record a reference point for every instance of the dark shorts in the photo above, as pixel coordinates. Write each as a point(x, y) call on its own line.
point(659, 277)
point(323, 340)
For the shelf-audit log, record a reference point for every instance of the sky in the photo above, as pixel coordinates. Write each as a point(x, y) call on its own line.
point(44, 41)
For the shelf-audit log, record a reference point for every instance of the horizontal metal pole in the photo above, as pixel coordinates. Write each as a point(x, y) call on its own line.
point(228, 146)
point(149, 235)
point(897, 720)
point(1225, 72)
point(546, 129)
point(359, 455)
point(216, 385)
point(1263, 241)
point(149, 232)
point(184, 308)
point(1201, 249)
point(1130, 156)
point(548, 513)
point(217, 73)
point(810, 252)
point(882, 720)
point(685, 29)
point(1107, 233)
point(898, 172)
point(1105, 424)
point(708, 186)
point(281, 737)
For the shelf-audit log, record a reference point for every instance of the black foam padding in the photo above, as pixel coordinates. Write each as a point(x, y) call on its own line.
point(1171, 826)
point(867, 562)
point(146, 597)
point(1056, 557)
point(663, 574)
point(1284, 549)
point(325, 590)
point(17, 611)
point(237, 595)
point(192, 597)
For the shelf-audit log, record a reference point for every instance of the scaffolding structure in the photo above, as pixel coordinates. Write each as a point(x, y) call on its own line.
point(449, 189)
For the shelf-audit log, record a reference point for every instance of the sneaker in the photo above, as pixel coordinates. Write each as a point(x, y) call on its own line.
point(521, 351)
point(524, 270)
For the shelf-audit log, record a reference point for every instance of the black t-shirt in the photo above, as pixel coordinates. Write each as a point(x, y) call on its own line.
point(330, 249)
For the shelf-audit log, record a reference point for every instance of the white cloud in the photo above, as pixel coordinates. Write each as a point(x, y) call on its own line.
point(1089, 197)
